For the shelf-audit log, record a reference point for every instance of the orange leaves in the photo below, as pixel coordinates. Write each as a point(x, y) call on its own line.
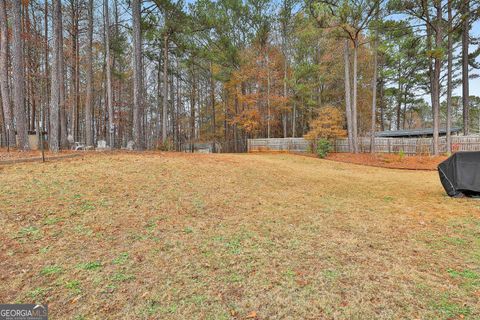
point(256, 89)
point(250, 120)
point(328, 124)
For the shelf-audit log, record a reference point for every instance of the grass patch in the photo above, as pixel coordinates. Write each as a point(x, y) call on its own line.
point(52, 220)
point(73, 286)
point(450, 310)
point(37, 293)
point(122, 258)
point(94, 265)
point(466, 274)
point(44, 250)
point(31, 231)
point(331, 274)
point(51, 270)
point(122, 277)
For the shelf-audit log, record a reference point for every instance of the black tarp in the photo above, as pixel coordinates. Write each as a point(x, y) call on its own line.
point(460, 174)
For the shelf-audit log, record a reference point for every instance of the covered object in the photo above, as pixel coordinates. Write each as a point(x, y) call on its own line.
point(460, 174)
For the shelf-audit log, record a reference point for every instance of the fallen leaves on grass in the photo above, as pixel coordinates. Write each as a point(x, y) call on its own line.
point(181, 236)
point(393, 161)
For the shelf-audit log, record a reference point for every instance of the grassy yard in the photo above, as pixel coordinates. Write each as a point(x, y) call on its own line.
point(173, 236)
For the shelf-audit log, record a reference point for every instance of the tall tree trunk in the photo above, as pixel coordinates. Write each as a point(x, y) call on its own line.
point(159, 103)
point(74, 69)
point(37, 91)
point(235, 131)
point(285, 94)
point(192, 111)
point(77, 83)
point(355, 97)
point(200, 102)
point(212, 101)
point(29, 77)
point(172, 101)
point(449, 80)
point(137, 77)
point(348, 104)
point(53, 138)
point(117, 83)
point(111, 127)
point(73, 50)
point(4, 87)
point(46, 117)
point(89, 88)
point(179, 108)
point(465, 84)
point(382, 104)
point(285, 79)
point(268, 93)
point(405, 103)
point(61, 79)
point(18, 77)
point(429, 46)
point(3, 131)
point(294, 118)
point(399, 96)
point(165, 88)
point(436, 80)
point(374, 96)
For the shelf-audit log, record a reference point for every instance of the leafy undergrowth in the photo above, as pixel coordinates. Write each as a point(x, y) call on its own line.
point(178, 236)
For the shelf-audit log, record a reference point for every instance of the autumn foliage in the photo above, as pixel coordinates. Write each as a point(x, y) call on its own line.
point(255, 91)
point(328, 125)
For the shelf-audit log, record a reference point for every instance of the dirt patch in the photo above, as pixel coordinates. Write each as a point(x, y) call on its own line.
point(393, 161)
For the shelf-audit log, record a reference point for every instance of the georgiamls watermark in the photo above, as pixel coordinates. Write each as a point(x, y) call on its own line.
point(23, 312)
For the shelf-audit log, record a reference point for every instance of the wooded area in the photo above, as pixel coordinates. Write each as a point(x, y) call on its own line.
point(166, 74)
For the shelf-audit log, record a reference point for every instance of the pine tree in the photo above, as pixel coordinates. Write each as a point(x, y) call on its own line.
point(18, 90)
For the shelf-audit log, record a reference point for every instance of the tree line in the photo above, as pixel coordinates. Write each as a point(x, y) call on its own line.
point(165, 74)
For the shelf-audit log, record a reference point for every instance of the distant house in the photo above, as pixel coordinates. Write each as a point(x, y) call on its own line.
point(415, 133)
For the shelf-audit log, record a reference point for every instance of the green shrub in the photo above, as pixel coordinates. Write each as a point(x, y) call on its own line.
point(323, 148)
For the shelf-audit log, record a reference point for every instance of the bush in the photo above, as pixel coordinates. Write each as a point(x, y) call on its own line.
point(323, 148)
point(328, 124)
point(165, 146)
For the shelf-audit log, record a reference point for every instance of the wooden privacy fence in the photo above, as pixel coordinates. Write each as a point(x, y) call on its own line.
point(278, 144)
point(409, 146)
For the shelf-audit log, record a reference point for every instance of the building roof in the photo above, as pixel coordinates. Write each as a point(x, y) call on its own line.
point(414, 132)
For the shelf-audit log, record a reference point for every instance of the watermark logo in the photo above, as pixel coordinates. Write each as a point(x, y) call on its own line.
point(23, 312)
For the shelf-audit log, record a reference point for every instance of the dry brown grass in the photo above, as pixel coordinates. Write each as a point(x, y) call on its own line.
point(178, 236)
point(393, 161)
point(16, 155)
